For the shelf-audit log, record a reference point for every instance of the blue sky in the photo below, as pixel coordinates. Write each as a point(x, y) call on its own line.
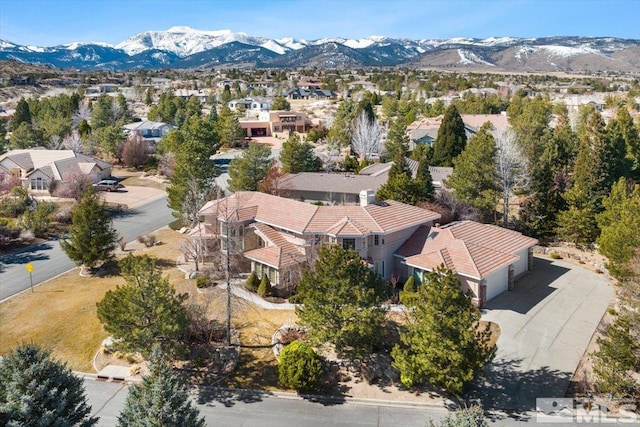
point(52, 22)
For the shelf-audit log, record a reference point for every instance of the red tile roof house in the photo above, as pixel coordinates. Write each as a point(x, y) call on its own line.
point(486, 258)
point(278, 236)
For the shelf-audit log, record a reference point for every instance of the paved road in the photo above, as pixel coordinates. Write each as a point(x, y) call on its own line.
point(546, 325)
point(49, 260)
point(265, 410)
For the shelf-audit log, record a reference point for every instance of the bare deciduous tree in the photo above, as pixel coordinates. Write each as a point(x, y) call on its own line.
point(135, 151)
point(83, 113)
point(73, 142)
point(512, 171)
point(366, 137)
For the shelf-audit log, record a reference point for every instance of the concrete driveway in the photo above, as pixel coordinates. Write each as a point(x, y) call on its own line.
point(546, 324)
point(132, 196)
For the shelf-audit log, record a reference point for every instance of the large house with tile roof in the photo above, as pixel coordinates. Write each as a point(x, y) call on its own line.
point(279, 236)
point(39, 169)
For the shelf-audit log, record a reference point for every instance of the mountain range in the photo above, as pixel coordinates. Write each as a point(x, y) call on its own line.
point(184, 47)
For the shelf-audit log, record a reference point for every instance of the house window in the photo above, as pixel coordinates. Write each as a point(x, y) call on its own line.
point(349, 243)
point(38, 184)
point(382, 265)
point(376, 240)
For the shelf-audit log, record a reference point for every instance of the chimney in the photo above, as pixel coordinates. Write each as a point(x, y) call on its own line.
point(367, 197)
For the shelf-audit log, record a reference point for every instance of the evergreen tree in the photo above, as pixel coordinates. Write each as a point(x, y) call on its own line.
point(161, 399)
point(591, 183)
point(228, 128)
point(424, 182)
point(339, 135)
point(92, 237)
point(298, 156)
point(631, 137)
point(148, 98)
point(397, 138)
point(341, 302)
point(529, 118)
point(246, 171)
point(22, 114)
point(101, 112)
point(400, 186)
point(473, 177)
point(193, 172)
point(265, 286)
point(617, 158)
point(620, 225)
point(145, 310)
point(280, 103)
point(300, 368)
point(442, 344)
point(23, 137)
point(38, 391)
point(451, 138)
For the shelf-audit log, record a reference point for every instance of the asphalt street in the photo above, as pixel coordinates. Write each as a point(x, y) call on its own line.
point(49, 260)
point(266, 410)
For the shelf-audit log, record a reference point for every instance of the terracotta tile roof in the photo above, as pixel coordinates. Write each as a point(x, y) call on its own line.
point(467, 247)
point(304, 218)
point(490, 236)
point(287, 253)
point(348, 227)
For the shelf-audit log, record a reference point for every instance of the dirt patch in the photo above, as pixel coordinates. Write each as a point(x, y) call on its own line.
point(132, 196)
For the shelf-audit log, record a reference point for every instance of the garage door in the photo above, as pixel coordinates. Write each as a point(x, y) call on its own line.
point(497, 283)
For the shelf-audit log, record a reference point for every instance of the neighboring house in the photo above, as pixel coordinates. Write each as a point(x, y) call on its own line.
point(39, 169)
point(310, 93)
point(151, 132)
point(271, 122)
point(188, 93)
point(344, 188)
point(257, 103)
point(279, 235)
point(425, 131)
point(486, 258)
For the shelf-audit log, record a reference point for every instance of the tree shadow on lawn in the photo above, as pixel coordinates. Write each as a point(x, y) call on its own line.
point(509, 388)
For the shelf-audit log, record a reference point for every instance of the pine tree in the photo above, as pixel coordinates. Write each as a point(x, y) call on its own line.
point(424, 181)
point(23, 137)
point(298, 156)
point(397, 139)
point(591, 183)
point(228, 127)
point(280, 103)
point(161, 399)
point(400, 186)
point(620, 225)
point(341, 302)
point(620, 163)
point(442, 344)
point(193, 173)
point(631, 137)
point(22, 114)
point(38, 391)
point(92, 237)
point(145, 310)
point(246, 171)
point(473, 177)
point(451, 138)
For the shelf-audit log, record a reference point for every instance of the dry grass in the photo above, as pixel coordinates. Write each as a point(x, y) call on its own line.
point(61, 314)
point(139, 181)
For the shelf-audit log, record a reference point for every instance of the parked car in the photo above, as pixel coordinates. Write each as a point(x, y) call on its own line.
point(107, 185)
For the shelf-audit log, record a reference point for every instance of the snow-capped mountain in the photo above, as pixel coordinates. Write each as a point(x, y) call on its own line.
point(185, 41)
point(185, 47)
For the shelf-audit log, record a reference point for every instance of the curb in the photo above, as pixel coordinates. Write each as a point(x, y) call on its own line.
point(330, 399)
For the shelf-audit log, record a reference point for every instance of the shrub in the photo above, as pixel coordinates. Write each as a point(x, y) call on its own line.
point(252, 282)
point(203, 281)
point(410, 284)
point(472, 416)
point(63, 215)
point(265, 286)
point(177, 224)
point(408, 298)
point(150, 241)
point(300, 367)
point(555, 255)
